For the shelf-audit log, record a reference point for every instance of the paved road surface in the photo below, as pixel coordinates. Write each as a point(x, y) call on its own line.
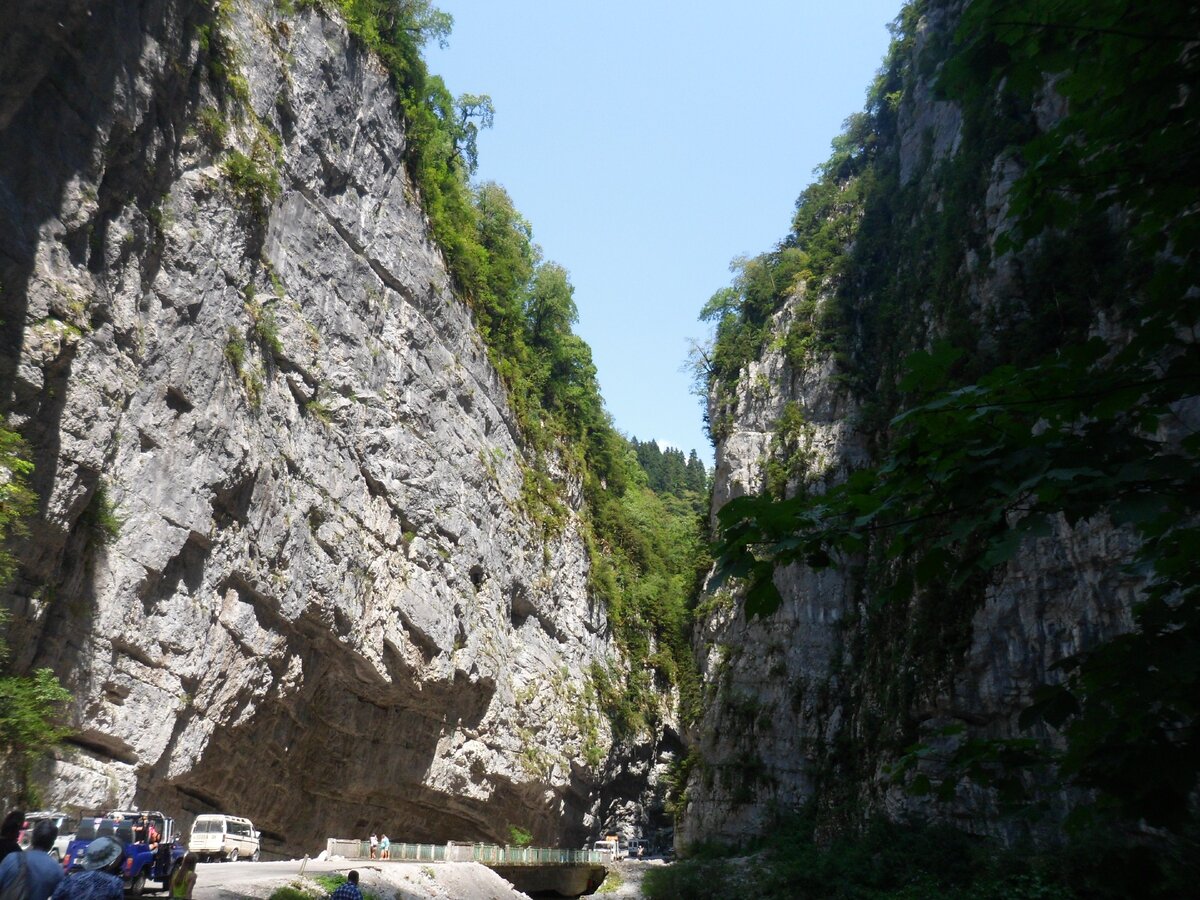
point(216, 880)
point(411, 880)
point(223, 881)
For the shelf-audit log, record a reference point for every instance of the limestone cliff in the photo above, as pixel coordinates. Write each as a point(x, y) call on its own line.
point(818, 701)
point(282, 560)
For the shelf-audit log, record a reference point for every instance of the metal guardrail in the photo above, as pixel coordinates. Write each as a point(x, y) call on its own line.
point(531, 856)
point(455, 851)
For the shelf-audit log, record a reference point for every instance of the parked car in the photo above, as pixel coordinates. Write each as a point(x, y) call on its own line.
point(152, 849)
point(65, 822)
point(218, 836)
point(609, 848)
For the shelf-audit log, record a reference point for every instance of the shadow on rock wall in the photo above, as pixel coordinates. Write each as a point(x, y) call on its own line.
point(94, 99)
point(344, 752)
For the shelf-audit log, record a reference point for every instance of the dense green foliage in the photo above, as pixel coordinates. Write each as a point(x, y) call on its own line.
point(100, 518)
point(519, 837)
point(30, 705)
point(253, 180)
point(913, 862)
point(17, 501)
point(985, 445)
point(668, 473)
point(30, 709)
point(647, 558)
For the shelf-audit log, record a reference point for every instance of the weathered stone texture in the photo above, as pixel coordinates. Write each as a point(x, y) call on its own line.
point(797, 703)
point(324, 608)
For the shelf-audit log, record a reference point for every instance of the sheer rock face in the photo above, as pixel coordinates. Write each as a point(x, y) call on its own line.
point(803, 705)
point(324, 607)
point(767, 682)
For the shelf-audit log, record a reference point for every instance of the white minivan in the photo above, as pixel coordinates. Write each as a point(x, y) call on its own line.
point(217, 836)
point(611, 849)
point(65, 823)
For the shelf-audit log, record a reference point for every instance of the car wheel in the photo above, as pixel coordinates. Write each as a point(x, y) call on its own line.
point(254, 856)
point(137, 887)
point(233, 855)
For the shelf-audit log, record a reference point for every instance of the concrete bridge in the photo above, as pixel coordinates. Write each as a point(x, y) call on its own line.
point(537, 871)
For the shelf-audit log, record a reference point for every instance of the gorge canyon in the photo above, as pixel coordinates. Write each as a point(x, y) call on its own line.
point(298, 553)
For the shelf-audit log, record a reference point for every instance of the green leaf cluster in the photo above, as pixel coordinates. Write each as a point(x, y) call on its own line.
point(667, 472)
point(1123, 71)
point(519, 837)
point(648, 556)
point(17, 500)
point(101, 518)
point(253, 178)
point(30, 708)
point(220, 58)
point(791, 450)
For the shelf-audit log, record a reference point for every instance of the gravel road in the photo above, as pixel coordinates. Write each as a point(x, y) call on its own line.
point(630, 871)
point(398, 880)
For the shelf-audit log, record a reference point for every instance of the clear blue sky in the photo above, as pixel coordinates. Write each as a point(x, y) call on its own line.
point(651, 142)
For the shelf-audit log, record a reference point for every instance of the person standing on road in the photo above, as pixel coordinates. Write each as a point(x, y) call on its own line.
point(349, 889)
point(184, 879)
point(99, 879)
point(374, 845)
point(385, 848)
point(9, 832)
point(42, 871)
